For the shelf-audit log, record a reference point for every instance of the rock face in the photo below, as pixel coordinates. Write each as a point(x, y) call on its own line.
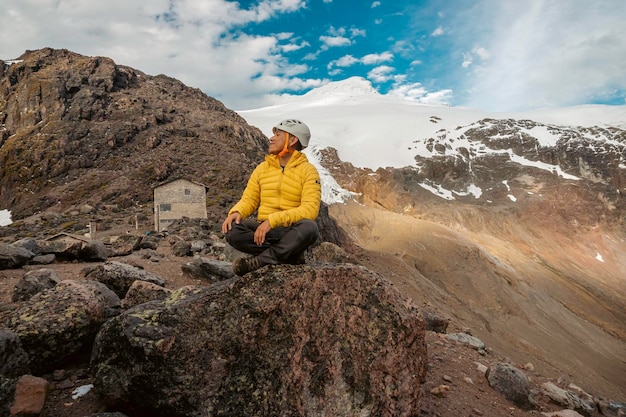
point(291, 340)
point(76, 115)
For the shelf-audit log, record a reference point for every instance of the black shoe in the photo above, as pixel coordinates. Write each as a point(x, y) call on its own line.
point(242, 266)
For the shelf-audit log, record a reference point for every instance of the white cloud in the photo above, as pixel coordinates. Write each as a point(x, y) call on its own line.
point(375, 4)
point(542, 53)
point(344, 61)
point(294, 46)
point(338, 37)
point(371, 59)
point(196, 41)
point(418, 93)
point(354, 32)
point(437, 32)
point(381, 74)
point(334, 41)
point(467, 60)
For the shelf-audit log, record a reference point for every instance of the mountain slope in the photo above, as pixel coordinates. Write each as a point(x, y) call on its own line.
point(526, 303)
point(83, 130)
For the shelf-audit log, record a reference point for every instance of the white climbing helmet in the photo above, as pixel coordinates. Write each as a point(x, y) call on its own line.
point(296, 128)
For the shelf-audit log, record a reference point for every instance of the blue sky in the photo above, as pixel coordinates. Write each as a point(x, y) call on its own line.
point(496, 55)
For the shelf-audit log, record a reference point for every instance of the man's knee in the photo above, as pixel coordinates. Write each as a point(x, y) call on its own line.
point(236, 235)
point(308, 230)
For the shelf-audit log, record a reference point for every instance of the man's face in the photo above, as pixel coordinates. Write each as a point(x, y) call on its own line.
point(277, 141)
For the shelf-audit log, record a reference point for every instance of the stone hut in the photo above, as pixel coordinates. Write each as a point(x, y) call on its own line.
point(176, 199)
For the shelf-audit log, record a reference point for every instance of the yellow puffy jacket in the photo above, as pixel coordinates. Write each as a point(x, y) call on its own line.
point(282, 195)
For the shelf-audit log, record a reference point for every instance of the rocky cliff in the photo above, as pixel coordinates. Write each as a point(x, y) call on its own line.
point(83, 130)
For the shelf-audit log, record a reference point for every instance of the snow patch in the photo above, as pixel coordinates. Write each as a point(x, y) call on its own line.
point(5, 218)
point(82, 390)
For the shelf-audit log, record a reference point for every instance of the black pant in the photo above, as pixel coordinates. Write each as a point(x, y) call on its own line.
point(283, 245)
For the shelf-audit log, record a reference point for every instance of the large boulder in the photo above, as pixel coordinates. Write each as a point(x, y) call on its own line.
point(59, 322)
point(285, 340)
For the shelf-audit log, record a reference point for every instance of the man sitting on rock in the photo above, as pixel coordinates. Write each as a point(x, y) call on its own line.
point(286, 190)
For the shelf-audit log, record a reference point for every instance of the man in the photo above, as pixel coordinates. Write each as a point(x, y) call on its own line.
point(286, 190)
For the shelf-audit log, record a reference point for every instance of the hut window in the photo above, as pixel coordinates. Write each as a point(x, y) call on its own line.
point(165, 207)
point(187, 191)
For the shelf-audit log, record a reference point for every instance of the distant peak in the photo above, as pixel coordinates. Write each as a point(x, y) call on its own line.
point(352, 87)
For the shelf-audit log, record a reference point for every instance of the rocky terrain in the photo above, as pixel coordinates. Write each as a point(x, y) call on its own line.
point(538, 279)
point(454, 384)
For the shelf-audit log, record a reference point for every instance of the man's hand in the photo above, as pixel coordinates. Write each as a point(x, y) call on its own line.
point(228, 223)
point(261, 231)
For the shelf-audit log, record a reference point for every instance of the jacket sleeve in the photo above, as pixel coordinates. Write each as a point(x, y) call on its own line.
point(309, 204)
point(251, 196)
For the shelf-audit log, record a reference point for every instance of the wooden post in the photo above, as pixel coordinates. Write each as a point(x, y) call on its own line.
point(92, 230)
point(136, 222)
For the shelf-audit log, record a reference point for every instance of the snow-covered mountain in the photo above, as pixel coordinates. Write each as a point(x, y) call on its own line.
point(370, 130)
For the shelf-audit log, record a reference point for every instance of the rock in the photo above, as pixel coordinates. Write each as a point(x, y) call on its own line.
point(329, 230)
point(467, 339)
point(124, 245)
point(30, 396)
point(181, 248)
point(43, 259)
point(435, 322)
point(61, 321)
point(563, 413)
point(34, 282)
point(119, 276)
point(511, 382)
point(63, 246)
point(93, 251)
point(13, 358)
point(198, 246)
point(612, 408)
point(86, 209)
point(295, 340)
point(566, 398)
point(208, 269)
point(142, 291)
point(149, 242)
point(481, 368)
point(14, 256)
point(440, 391)
point(329, 253)
point(28, 244)
point(7, 394)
